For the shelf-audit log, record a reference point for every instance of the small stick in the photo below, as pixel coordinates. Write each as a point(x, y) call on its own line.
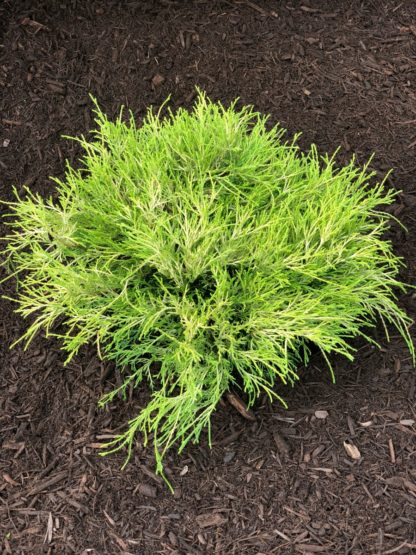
point(11, 122)
point(240, 406)
point(392, 452)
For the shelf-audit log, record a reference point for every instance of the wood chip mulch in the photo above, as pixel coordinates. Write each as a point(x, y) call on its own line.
point(334, 474)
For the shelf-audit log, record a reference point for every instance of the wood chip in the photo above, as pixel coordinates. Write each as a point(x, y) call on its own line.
point(228, 457)
point(351, 428)
point(7, 547)
point(27, 22)
point(146, 489)
point(229, 439)
point(401, 482)
point(281, 444)
point(408, 422)
point(351, 450)
point(49, 530)
point(11, 122)
point(56, 86)
point(392, 451)
point(184, 470)
point(404, 544)
point(119, 541)
point(256, 7)
point(396, 481)
point(108, 517)
point(321, 414)
point(48, 483)
point(366, 424)
point(157, 80)
point(151, 474)
point(311, 548)
point(7, 478)
point(73, 502)
point(307, 9)
point(210, 519)
point(409, 485)
point(240, 406)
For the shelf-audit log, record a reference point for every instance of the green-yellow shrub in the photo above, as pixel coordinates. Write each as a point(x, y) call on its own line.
point(206, 243)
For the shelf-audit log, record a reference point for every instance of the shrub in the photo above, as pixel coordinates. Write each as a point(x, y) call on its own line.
point(199, 251)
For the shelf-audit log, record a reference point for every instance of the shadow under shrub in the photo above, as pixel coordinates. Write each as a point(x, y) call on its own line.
point(206, 243)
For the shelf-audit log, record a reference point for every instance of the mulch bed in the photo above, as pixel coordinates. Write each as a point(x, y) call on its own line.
point(342, 72)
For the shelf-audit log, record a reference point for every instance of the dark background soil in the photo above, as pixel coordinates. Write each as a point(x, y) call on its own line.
point(342, 72)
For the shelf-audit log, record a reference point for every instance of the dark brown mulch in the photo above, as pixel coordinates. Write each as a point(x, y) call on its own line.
point(342, 72)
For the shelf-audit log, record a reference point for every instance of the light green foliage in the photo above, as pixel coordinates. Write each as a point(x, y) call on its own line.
point(207, 244)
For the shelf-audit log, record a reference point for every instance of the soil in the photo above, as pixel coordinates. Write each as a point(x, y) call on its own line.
point(344, 73)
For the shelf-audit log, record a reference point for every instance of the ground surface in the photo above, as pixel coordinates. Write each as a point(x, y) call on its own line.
point(342, 72)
